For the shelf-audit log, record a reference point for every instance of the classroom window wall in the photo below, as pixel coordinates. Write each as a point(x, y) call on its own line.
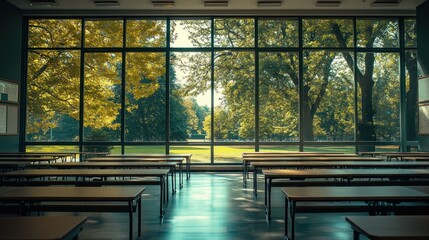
point(219, 86)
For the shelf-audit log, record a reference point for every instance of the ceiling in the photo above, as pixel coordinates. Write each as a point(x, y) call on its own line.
point(302, 7)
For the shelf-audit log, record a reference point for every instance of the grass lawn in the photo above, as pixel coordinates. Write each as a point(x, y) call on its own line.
point(201, 154)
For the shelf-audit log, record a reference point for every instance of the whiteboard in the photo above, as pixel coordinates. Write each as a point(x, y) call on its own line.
point(3, 119)
point(12, 120)
point(424, 119)
point(8, 119)
point(424, 89)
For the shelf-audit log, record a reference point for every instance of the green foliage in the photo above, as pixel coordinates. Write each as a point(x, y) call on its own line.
point(327, 90)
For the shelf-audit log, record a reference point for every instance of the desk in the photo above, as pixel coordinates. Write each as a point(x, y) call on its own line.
point(29, 159)
point(388, 173)
point(136, 161)
point(187, 157)
point(122, 165)
point(299, 174)
point(29, 195)
point(345, 177)
point(62, 155)
point(6, 166)
point(46, 227)
point(294, 195)
point(400, 155)
point(336, 157)
point(390, 227)
point(331, 164)
point(161, 174)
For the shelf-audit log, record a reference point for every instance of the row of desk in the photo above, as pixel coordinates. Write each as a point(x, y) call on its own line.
point(340, 177)
point(370, 183)
point(376, 198)
point(28, 197)
point(67, 180)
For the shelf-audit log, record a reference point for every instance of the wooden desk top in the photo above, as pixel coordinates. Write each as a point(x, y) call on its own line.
point(323, 154)
point(340, 164)
point(106, 193)
point(27, 159)
point(416, 158)
point(13, 163)
point(133, 159)
point(388, 172)
point(405, 154)
point(96, 164)
point(347, 193)
point(153, 155)
point(424, 189)
point(35, 228)
point(344, 173)
point(391, 227)
point(37, 154)
point(307, 158)
point(87, 173)
point(305, 173)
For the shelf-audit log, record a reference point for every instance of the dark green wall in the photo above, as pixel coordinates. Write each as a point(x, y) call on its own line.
point(423, 37)
point(10, 57)
point(423, 56)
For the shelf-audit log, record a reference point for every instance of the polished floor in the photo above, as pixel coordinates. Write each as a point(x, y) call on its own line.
point(214, 206)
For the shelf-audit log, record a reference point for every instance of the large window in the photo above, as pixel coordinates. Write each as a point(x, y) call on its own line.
point(219, 86)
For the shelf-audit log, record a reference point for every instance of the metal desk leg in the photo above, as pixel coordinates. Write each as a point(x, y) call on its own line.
point(139, 215)
point(161, 196)
point(286, 217)
point(130, 209)
point(173, 179)
point(268, 190)
point(188, 168)
point(355, 235)
point(292, 218)
point(255, 181)
point(244, 173)
point(181, 175)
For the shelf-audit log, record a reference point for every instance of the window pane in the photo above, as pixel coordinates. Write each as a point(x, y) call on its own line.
point(190, 98)
point(53, 85)
point(328, 96)
point(200, 154)
point(103, 33)
point(278, 148)
point(378, 96)
point(234, 96)
point(230, 154)
point(102, 148)
point(52, 148)
point(278, 96)
point(145, 96)
point(54, 33)
point(146, 33)
point(278, 32)
point(410, 33)
point(382, 148)
point(234, 32)
point(144, 149)
point(191, 33)
point(377, 33)
point(102, 97)
point(411, 93)
point(330, 149)
point(327, 32)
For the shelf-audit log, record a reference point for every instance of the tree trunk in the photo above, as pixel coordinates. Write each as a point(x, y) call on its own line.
point(366, 128)
point(307, 122)
point(411, 95)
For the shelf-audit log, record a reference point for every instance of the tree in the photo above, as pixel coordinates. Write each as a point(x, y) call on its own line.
point(54, 78)
point(371, 34)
